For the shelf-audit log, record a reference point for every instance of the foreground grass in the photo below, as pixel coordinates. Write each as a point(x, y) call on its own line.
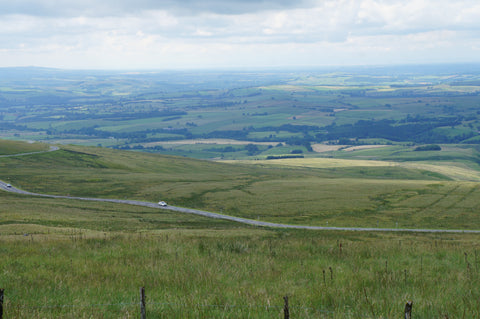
point(75, 259)
point(241, 273)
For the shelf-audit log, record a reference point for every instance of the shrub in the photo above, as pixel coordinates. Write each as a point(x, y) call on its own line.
point(432, 147)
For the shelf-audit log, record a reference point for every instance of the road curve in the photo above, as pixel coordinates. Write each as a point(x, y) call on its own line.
point(7, 187)
point(52, 149)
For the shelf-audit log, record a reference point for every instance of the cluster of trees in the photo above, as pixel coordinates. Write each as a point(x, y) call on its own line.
point(432, 147)
point(139, 147)
point(271, 157)
point(414, 131)
point(226, 149)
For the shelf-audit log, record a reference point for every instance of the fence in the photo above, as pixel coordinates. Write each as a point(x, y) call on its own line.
point(143, 305)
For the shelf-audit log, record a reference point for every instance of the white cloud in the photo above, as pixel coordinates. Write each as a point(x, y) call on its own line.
point(152, 33)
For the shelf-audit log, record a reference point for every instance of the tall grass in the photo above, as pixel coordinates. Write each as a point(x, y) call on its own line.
point(74, 259)
point(240, 274)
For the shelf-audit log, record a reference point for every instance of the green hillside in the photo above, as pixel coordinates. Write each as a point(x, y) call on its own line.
point(346, 194)
point(16, 147)
point(66, 258)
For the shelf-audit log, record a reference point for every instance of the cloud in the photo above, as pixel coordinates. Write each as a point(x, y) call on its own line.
point(121, 7)
point(316, 20)
point(92, 33)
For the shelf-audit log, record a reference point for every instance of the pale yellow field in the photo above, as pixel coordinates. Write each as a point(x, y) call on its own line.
point(320, 148)
point(362, 147)
point(455, 172)
point(319, 162)
point(452, 170)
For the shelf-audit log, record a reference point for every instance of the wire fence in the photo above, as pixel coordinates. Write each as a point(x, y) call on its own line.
point(143, 308)
point(173, 305)
point(75, 306)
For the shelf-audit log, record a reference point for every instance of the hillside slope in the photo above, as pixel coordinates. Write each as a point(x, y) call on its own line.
point(380, 196)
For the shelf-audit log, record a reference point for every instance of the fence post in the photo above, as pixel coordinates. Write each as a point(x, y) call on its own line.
point(476, 265)
point(368, 302)
point(1, 302)
point(408, 309)
point(286, 311)
point(142, 304)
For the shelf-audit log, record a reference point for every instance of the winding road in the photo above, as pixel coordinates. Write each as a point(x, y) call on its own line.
point(9, 188)
point(52, 149)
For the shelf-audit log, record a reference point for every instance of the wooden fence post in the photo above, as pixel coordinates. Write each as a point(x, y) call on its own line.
point(286, 311)
point(408, 309)
point(142, 304)
point(368, 302)
point(476, 265)
point(1, 302)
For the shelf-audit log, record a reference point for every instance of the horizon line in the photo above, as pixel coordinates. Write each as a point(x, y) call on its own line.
point(249, 68)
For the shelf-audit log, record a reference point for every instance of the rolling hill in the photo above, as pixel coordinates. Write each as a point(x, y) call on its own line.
point(75, 259)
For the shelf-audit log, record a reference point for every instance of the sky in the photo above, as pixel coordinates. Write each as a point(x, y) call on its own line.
point(200, 34)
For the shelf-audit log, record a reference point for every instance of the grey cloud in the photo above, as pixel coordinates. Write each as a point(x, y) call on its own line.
point(122, 7)
point(236, 6)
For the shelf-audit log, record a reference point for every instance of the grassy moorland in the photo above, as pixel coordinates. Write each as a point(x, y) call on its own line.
point(383, 196)
point(81, 267)
point(379, 194)
point(75, 259)
point(13, 147)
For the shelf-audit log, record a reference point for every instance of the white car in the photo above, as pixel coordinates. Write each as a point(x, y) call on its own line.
point(162, 203)
point(8, 185)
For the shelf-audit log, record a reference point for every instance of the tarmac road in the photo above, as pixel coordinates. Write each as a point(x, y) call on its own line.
point(3, 186)
point(52, 149)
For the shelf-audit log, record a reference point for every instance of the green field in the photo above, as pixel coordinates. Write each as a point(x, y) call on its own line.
point(396, 105)
point(65, 258)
